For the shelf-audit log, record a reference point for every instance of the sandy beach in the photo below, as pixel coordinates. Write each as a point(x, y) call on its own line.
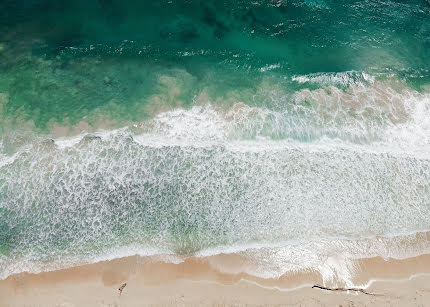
point(196, 282)
point(214, 153)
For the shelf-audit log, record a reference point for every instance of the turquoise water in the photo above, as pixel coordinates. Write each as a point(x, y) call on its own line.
point(184, 127)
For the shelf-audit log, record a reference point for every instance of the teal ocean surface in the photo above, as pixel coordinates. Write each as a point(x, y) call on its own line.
point(293, 132)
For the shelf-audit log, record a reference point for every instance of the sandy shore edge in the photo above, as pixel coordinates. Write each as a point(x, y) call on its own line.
point(196, 281)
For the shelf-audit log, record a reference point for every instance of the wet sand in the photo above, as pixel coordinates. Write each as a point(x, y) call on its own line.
point(197, 282)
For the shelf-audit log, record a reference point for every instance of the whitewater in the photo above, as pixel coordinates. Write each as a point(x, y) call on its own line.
point(295, 134)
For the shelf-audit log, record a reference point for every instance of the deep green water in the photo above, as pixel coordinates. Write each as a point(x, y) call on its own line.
point(65, 59)
point(181, 126)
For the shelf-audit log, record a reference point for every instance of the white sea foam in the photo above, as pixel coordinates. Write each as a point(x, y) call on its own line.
point(347, 78)
point(191, 180)
point(335, 259)
point(270, 67)
point(377, 117)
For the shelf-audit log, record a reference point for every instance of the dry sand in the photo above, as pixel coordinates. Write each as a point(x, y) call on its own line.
point(195, 282)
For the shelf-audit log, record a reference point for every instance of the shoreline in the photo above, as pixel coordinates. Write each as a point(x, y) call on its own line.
point(197, 281)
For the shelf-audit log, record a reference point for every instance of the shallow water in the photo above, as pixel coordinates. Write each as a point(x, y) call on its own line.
point(189, 127)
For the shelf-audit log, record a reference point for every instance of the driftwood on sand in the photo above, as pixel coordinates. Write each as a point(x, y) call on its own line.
point(122, 288)
point(346, 289)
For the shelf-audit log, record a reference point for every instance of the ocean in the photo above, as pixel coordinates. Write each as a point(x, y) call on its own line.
point(294, 132)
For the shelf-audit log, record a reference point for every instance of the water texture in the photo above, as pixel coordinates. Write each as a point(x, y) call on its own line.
point(285, 130)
